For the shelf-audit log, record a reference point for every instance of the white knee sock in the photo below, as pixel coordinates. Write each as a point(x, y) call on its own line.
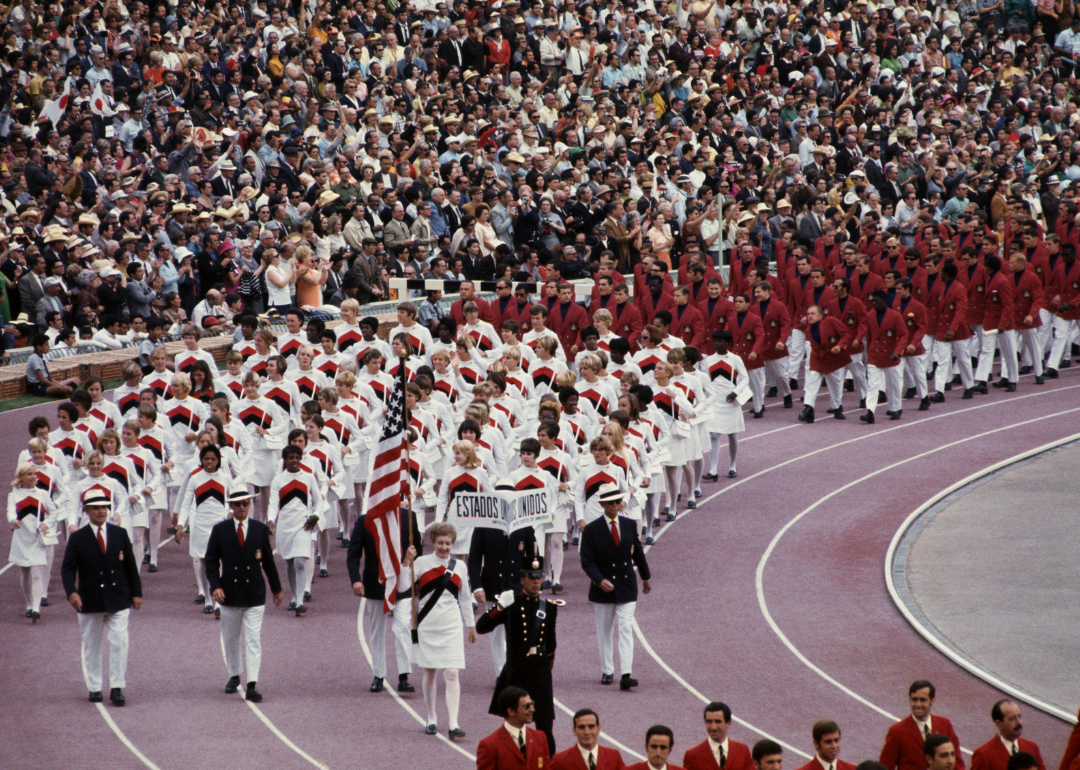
point(733, 449)
point(428, 685)
point(453, 695)
point(714, 453)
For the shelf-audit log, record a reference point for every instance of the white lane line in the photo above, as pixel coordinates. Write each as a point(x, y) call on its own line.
point(637, 629)
point(398, 698)
point(113, 726)
point(6, 567)
point(603, 735)
point(760, 572)
point(693, 691)
point(270, 725)
point(945, 649)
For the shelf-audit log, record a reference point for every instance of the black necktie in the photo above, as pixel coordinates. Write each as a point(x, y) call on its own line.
point(723, 757)
point(592, 761)
point(521, 742)
point(926, 730)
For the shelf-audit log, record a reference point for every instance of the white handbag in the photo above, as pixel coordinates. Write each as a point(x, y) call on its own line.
point(680, 429)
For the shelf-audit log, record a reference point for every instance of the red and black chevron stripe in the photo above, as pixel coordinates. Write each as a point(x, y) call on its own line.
point(296, 489)
point(723, 369)
point(154, 445)
point(597, 480)
point(256, 415)
point(28, 506)
point(211, 489)
point(182, 415)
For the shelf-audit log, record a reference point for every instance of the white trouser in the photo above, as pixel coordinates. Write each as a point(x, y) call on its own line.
point(1007, 342)
point(91, 626)
point(776, 371)
point(402, 630)
point(605, 626)
point(796, 351)
point(988, 341)
point(928, 354)
point(246, 622)
point(975, 341)
point(1063, 332)
point(1043, 332)
point(1029, 342)
point(915, 374)
point(757, 387)
point(857, 370)
point(890, 379)
point(943, 354)
point(834, 381)
point(377, 621)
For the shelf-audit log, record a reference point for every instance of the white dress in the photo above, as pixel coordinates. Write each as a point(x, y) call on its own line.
point(724, 375)
point(202, 506)
point(148, 471)
point(441, 634)
point(293, 498)
point(670, 408)
point(30, 507)
point(262, 462)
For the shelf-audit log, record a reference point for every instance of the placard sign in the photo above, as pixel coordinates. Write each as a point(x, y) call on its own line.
point(505, 511)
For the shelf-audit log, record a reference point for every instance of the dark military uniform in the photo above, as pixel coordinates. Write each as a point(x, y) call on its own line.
point(530, 650)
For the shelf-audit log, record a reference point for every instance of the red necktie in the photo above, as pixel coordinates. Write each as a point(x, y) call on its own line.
point(240, 534)
point(615, 532)
point(101, 539)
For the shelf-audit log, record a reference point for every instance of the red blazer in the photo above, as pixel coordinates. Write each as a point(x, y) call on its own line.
point(862, 285)
point(811, 297)
point(699, 291)
point(700, 757)
point(952, 312)
point(571, 759)
point(594, 300)
point(884, 265)
point(974, 281)
point(649, 309)
point(992, 755)
point(903, 749)
point(481, 305)
point(854, 317)
point(1067, 285)
point(918, 278)
point(1072, 748)
point(737, 283)
point(813, 764)
point(647, 766)
point(1068, 232)
point(568, 328)
point(683, 275)
point(827, 255)
point(499, 752)
point(914, 316)
point(1027, 299)
point(998, 308)
point(626, 322)
point(931, 299)
point(688, 324)
point(777, 327)
point(833, 332)
point(511, 313)
point(792, 270)
point(885, 339)
point(716, 318)
point(796, 288)
point(641, 285)
point(749, 336)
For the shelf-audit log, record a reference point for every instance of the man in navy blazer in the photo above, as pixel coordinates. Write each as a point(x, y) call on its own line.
point(610, 549)
point(238, 548)
point(101, 580)
point(362, 546)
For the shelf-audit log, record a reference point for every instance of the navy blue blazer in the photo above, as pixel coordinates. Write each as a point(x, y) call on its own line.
point(235, 570)
point(362, 547)
point(601, 560)
point(105, 582)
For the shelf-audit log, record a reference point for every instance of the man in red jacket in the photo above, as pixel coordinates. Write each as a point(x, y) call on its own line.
point(950, 339)
point(715, 309)
point(796, 290)
point(826, 737)
point(625, 317)
point(995, 753)
point(829, 339)
point(467, 292)
point(687, 322)
point(914, 315)
point(776, 324)
point(903, 749)
point(853, 313)
point(885, 337)
point(587, 753)
point(1027, 299)
point(567, 319)
point(1066, 297)
point(653, 299)
point(865, 280)
point(997, 320)
point(718, 749)
point(513, 740)
point(659, 741)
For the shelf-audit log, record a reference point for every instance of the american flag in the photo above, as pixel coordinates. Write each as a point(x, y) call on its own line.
point(387, 487)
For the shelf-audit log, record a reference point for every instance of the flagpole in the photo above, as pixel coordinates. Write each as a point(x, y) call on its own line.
point(408, 480)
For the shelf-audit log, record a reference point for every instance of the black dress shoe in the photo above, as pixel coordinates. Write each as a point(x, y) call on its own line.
point(545, 586)
point(35, 616)
point(577, 538)
point(318, 560)
point(1002, 383)
point(116, 696)
point(924, 405)
point(217, 613)
point(146, 558)
point(404, 685)
point(807, 414)
point(830, 411)
point(650, 540)
point(456, 732)
point(300, 610)
point(948, 386)
point(937, 398)
point(607, 678)
point(868, 417)
point(909, 393)
point(849, 387)
point(758, 414)
point(431, 730)
point(787, 401)
point(896, 415)
point(376, 684)
point(1010, 388)
point(732, 474)
point(340, 535)
point(1026, 370)
point(232, 685)
point(44, 601)
point(793, 384)
point(627, 682)
point(709, 477)
point(969, 393)
point(344, 542)
point(28, 613)
point(95, 697)
point(557, 588)
point(956, 380)
point(324, 573)
point(199, 599)
point(839, 414)
point(772, 393)
point(252, 694)
point(862, 403)
point(1051, 373)
point(208, 609)
point(882, 397)
point(1039, 380)
point(153, 568)
point(307, 596)
point(982, 389)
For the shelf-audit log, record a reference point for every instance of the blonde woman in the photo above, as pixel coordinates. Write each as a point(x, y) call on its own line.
point(310, 277)
point(672, 413)
point(440, 642)
point(31, 515)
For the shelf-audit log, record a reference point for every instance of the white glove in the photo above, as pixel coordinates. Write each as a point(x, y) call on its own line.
point(506, 598)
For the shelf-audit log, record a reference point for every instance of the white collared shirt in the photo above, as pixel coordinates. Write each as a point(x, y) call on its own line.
point(515, 732)
point(1011, 747)
point(925, 728)
point(825, 765)
point(715, 748)
point(104, 533)
point(585, 753)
